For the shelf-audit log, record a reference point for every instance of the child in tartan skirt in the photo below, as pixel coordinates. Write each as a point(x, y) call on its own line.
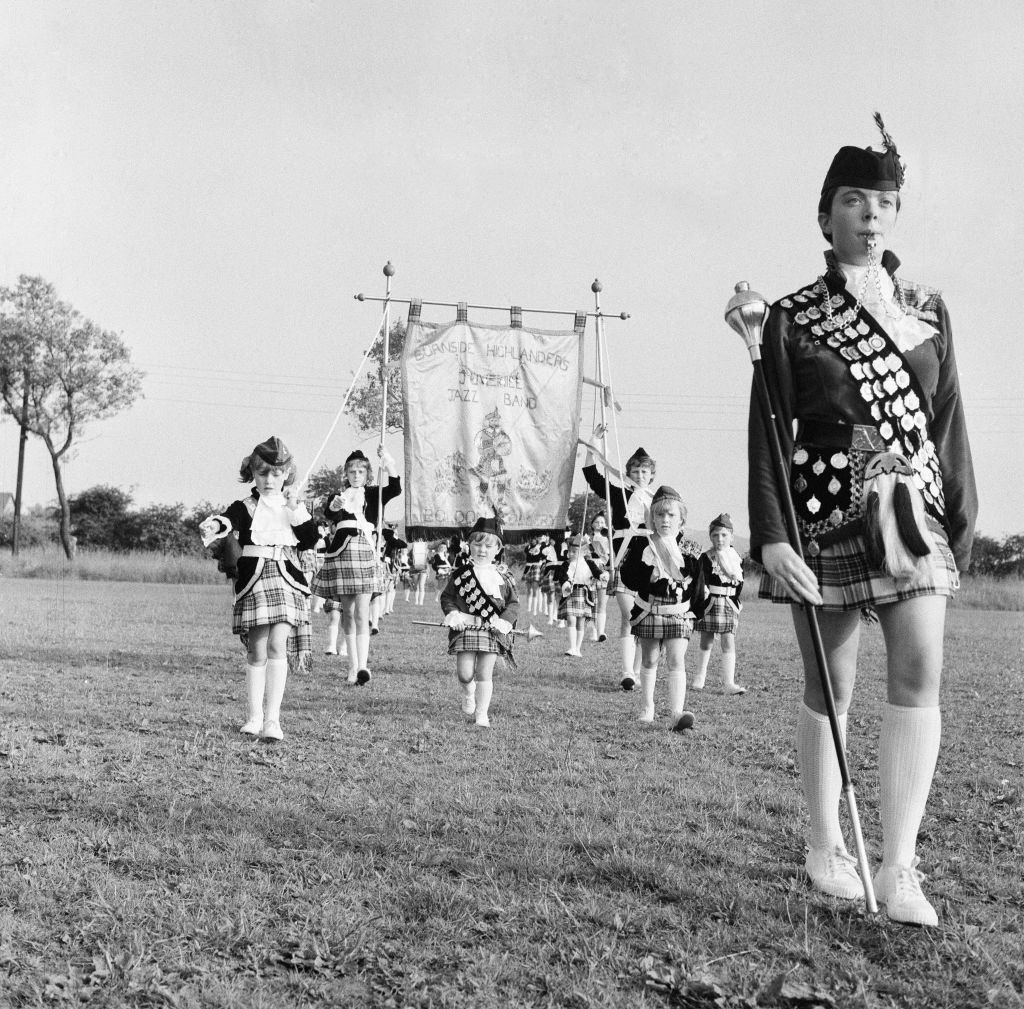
point(579, 580)
point(723, 575)
point(271, 591)
point(481, 606)
point(669, 594)
point(351, 571)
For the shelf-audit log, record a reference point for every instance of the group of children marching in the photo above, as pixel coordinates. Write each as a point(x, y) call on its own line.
point(280, 558)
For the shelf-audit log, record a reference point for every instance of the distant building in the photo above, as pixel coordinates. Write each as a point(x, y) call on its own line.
point(6, 504)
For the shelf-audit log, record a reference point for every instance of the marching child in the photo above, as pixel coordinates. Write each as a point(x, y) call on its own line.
point(351, 573)
point(442, 566)
point(549, 584)
point(669, 594)
point(481, 606)
point(417, 571)
point(271, 592)
point(533, 557)
point(579, 580)
point(600, 554)
point(722, 569)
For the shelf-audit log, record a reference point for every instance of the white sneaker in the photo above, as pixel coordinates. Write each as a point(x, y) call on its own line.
point(898, 887)
point(252, 727)
point(834, 871)
point(646, 714)
point(483, 721)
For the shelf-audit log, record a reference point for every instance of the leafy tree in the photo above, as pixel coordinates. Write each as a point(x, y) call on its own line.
point(100, 518)
point(325, 481)
point(364, 405)
point(38, 528)
point(75, 373)
point(583, 501)
point(163, 528)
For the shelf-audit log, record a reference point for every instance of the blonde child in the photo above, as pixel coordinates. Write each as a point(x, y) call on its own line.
point(668, 595)
point(271, 591)
point(533, 558)
point(722, 569)
point(350, 573)
point(442, 566)
point(579, 580)
point(481, 606)
point(600, 554)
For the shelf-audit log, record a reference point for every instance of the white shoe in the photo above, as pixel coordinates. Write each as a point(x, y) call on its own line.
point(646, 714)
point(271, 731)
point(898, 887)
point(252, 727)
point(483, 721)
point(834, 871)
point(734, 691)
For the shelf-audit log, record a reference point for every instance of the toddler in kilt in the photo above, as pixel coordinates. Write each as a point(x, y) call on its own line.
point(271, 592)
point(669, 594)
point(579, 580)
point(351, 571)
point(722, 568)
point(481, 606)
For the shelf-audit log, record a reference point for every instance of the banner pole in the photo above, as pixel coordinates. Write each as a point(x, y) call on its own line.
point(389, 272)
point(605, 395)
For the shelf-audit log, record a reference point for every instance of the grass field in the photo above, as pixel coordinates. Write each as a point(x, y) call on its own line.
point(387, 854)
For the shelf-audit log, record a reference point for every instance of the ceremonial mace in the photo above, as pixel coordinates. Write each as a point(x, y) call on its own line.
point(746, 313)
point(530, 633)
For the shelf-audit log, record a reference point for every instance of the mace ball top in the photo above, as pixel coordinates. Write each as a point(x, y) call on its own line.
point(742, 286)
point(596, 286)
point(389, 270)
point(360, 296)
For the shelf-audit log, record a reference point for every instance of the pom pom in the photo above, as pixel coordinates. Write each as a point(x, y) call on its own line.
point(913, 533)
point(873, 543)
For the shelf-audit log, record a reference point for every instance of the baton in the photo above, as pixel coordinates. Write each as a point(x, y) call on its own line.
point(746, 313)
point(530, 633)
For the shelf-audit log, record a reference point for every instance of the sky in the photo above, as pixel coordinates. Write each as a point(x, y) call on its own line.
point(215, 182)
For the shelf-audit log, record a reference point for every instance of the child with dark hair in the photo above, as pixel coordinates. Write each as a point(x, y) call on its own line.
point(481, 606)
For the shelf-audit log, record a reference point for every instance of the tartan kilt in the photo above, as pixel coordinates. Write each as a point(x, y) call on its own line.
point(720, 617)
point(661, 625)
point(847, 583)
point(353, 571)
point(549, 581)
point(441, 577)
point(579, 603)
point(531, 573)
point(271, 600)
point(615, 586)
point(479, 639)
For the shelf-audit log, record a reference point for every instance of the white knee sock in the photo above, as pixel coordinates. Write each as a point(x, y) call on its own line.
point(907, 751)
point(648, 678)
point(332, 637)
point(277, 676)
point(363, 650)
point(255, 686)
point(728, 670)
point(702, 668)
point(677, 691)
point(484, 689)
point(627, 646)
point(819, 776)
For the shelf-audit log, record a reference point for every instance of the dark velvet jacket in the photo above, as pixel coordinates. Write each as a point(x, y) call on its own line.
point(810, 382)
point(335, 513)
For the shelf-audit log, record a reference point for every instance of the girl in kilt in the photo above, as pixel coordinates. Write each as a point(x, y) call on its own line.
point(722, 568)
point(481, 606)
point(271, 598)
point(867, 395)
point(550, 586)
point(417, 571)
point(351, 571)
point(534, 561)
point(629, 501)
point(600, 554)
point(579, 579)
point(668, 595)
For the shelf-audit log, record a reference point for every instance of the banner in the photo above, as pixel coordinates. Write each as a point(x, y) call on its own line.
point(491, 425)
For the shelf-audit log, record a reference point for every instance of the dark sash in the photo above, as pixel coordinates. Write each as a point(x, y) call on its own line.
point(827, 483)
point(472, 594)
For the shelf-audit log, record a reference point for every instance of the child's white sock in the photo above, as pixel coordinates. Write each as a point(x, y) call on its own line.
point(352, 649)
point(363, 650)
point(484, 689)
point(255, 686)
point(819, 776)
point(628, 649)
point(676, 691)
point(908, 749)
point(704, 658)
point(468, 696)
point(332, 638)
point(277, 676)
point(648, 677)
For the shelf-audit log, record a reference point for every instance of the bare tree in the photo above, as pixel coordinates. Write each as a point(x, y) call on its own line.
point(74, 373)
